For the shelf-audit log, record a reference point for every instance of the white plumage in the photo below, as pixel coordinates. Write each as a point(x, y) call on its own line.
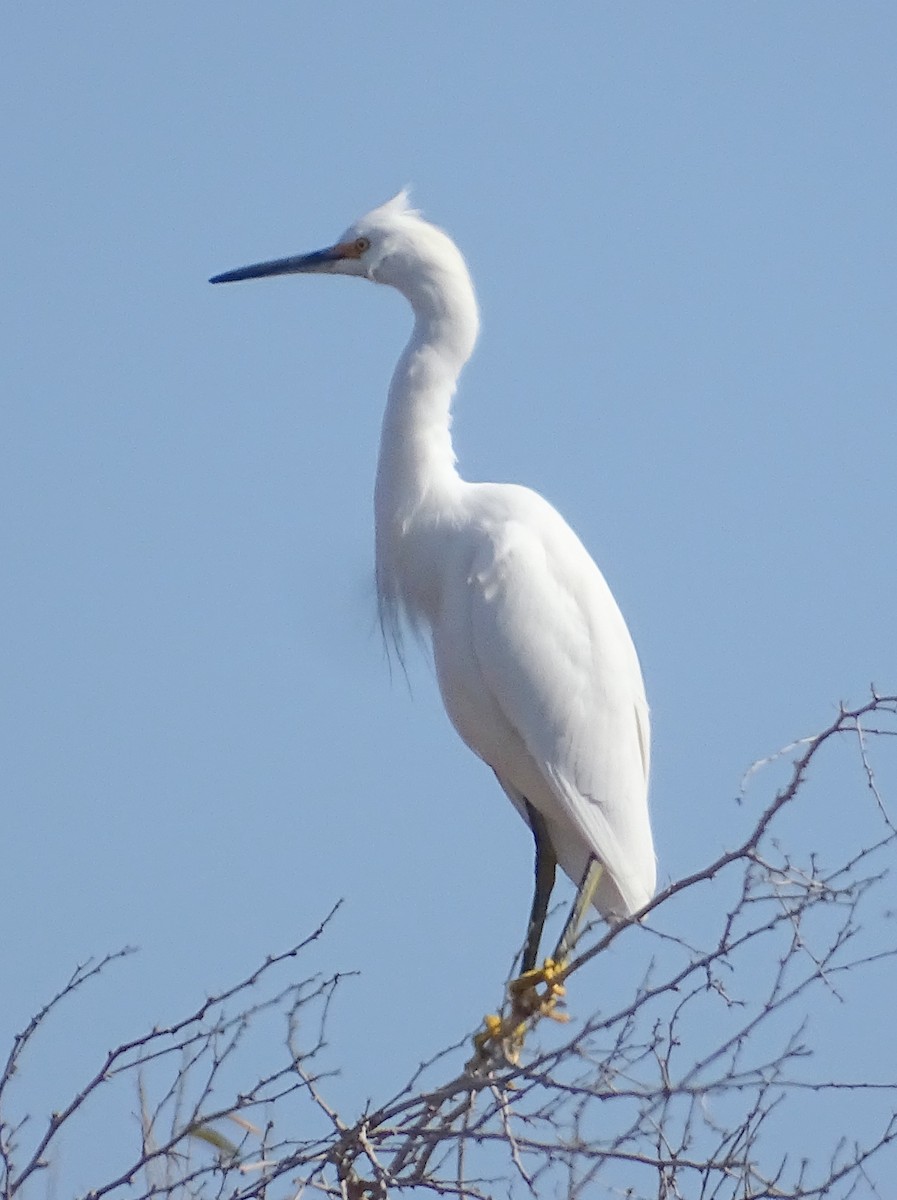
point(536, 667)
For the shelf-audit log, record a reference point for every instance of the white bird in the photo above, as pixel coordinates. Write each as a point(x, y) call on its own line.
point(535, 663)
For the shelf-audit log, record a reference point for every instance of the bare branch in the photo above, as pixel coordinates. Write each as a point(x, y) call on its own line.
point(712, 1054)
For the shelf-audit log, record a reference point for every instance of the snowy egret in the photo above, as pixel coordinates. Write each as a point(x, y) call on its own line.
point(535, 663)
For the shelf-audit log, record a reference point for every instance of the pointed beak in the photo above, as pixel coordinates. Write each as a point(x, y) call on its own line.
point(298, 264)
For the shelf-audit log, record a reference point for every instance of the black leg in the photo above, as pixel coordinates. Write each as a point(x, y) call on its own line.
point(546, 865)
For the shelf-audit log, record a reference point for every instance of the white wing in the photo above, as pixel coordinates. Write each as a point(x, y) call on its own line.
point(541, 679)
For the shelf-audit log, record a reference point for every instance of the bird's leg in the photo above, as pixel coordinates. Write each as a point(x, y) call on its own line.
point(507, 1031)
point(584, 897)
point(536, 992)
point(527, 1000)
point(522, 990)
point(546, 866)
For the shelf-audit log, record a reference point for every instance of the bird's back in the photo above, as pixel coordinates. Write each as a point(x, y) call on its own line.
point(540, 678)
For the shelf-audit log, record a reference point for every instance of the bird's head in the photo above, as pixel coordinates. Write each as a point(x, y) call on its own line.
point(391, 244)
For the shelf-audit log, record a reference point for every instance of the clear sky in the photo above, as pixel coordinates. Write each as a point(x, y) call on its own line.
point(680, 220)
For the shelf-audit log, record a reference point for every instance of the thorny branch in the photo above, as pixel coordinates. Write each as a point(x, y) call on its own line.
point(690, 1081)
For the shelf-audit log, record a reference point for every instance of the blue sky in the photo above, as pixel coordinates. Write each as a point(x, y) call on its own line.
point(680, 221)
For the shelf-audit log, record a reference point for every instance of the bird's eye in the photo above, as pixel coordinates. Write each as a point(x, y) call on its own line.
point(362, 244)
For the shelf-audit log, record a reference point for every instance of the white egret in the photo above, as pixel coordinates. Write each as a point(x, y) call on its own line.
point(535, 663)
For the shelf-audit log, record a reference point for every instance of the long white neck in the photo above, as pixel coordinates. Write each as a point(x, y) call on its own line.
point(416, 476)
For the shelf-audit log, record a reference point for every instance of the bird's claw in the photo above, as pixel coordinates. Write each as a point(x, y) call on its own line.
point(551, 973)
point(527, 1000)
point(506, 1032)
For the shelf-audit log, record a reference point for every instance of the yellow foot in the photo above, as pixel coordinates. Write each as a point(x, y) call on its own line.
point(492, 1032)
point(527, 1000)
point(507, 1032)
